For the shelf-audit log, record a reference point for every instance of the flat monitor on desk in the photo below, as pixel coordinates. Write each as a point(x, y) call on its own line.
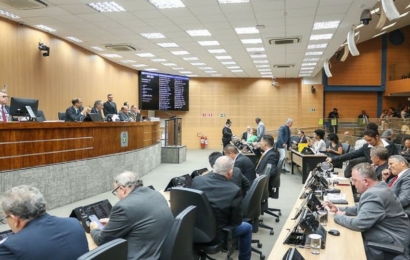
point(23, 107)
point(100, 209)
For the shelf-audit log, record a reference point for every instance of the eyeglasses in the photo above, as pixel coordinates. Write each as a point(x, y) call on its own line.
point(3, 220)
point(114, 192)
point(5, 96)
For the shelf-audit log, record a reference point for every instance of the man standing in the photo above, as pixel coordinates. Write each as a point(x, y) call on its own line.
point(134, 114)
point(226, 201)
point(38, 235)
point(123, 115)
point(76, 111)
point(241, 161)
point(283, 142)
point(379, 156)
point(363, 118)
point(270, 156)
point(98, 107)
point(110, 107)
point(260, 130)
point(4, 109)
point(333, 118)
point(141, 217)
point(247, 134)
point(379, 214)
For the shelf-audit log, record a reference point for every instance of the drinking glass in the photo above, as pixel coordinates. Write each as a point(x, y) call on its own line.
point(315, 243)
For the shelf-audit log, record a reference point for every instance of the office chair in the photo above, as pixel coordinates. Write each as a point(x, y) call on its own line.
point(274, 190)
point(40, 116)
point(205, 228)
point(265, 197)
point(251, 208)
point(346, 148)
point(391, 252)
point(178, 244)
point(61, 116)
point(116, 249)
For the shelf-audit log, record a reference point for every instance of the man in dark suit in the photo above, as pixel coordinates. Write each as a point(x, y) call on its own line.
point(379, 156)
point(135, 114)
point(237, 177)
point(38, 235)
point(247, 134)
point(4, 109)
point(270, 156)
point(110, 107)
point(98, 108)
point(363, 118)
point(333, 125)
point(302, 137)
point(226, 200)
point(283, 142)
point(241, 161)
point(76, 111)
point(142, 217)
point(123, 114)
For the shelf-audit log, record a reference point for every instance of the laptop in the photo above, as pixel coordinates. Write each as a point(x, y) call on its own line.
point(94, 117)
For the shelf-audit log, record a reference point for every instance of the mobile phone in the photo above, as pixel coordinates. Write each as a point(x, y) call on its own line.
point(93, 218)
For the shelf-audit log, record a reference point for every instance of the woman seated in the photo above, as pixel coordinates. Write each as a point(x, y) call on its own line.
point(334, 148)
point(254, 137)
point(318, 143)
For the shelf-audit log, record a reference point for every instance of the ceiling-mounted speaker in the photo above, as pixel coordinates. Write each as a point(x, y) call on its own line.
point(390, 9)
point(326, 67)
point(382, 19)
point(345, 53)
point(352, 44)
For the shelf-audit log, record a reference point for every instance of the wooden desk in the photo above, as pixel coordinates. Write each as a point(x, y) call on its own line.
point(347, 246)
point(307, 162)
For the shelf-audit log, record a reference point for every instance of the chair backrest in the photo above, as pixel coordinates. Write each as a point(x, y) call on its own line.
point(40, 116)
point(61, 115)
point(399, 148)
point(294, 138)
point(116, 249)
point(178, 244)
point(205, 228)
point(266, 172)
point(251, 204)
point(345, 147)
point(275, 183)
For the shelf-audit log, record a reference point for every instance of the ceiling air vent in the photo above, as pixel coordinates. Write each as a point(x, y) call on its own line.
point(281, 41)
point(283, 66)
point(119, 47)
point(24, 4)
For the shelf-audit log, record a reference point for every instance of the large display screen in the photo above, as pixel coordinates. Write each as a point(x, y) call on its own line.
point(159, 91)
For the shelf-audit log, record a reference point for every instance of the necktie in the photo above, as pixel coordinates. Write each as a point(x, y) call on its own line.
point(260, 160)
point(393, 181)
point(3, 114)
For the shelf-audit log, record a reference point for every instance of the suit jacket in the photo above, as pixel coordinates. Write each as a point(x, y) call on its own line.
point(260, 130)
point(123, 117)
point(224, 197)
point(302, 139)
point(72, 115)
point(379, 170)
point(143, 218)
point(380, 218)
point(110, 109)
point(283, 137)
point(246, 166)
point(245, 136)
point(226, 135)
point(238, 179)
point(402, 190)
point(46, 238)
point(271, 157)
point(7, 111)
point(95, 111)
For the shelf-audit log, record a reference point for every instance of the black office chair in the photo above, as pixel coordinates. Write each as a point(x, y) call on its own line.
point(40, 116)
point(274, 190)
point(391, 252)
point(205, 228)
point(116, 249)
point(265, 197)
point(346, 148)
point(178, 244)
point(251, 207)
point(61, 116)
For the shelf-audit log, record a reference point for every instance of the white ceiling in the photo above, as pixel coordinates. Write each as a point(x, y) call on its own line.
point(281, 18)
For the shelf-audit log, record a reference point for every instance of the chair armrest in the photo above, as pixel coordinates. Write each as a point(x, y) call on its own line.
point(395, 249)
point(229, 237)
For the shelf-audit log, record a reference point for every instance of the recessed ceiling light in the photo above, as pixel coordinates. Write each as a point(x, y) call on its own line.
point(379, 34)
point(153, 35)
point(307, 71)
point(304, 75)
point(45, 28)
point(106, 7)
point(169, 64)
point(111, 55)
point(216, 75)
point(198, 64)
point(307, 68)
point(210, 71)
point(128, 61)
point(5, 13)
point(168, 45)
point(232, 1)
point(359, 26)
point(315, 37)
point(402, 15)
point(312, 53)
point(266, 76)
point(185, 72)
point(262, 66)
point(151, 69)
point(326, 25)
point(208, 43)
point(217, 51)
point(227, 57)
point(388, 26)
point(310, 59)
point(236, 71)
point(264, 70)
point(158, 60)
point(190, 58)
point(178, 68)
point(233, 67)
point(164, 4)
point(180, 52)
point(74, 39)
point(145, 55)
point(260, 61)
point(192, 75)
point(258, 56)
point(198, 32)
point(139, 65)
point(246, 30)
point(205, 68)
point(407, 7)
point(228, 62)
point(317, 46)
point(251, 41)
point(255, 49)
point(309, 64)
point(97, 48)
point(375, 10)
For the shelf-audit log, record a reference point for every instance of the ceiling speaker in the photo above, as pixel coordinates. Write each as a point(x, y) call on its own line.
point(352, 44)
point(326, 67)
point(390, 9)
point(396, 37)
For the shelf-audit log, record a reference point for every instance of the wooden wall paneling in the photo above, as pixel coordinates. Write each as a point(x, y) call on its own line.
point(351, 104)
point(308, 101)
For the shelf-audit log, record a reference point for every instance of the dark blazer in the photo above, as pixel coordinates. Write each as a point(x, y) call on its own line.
point(402, 190)
point(225, 198)
point(72, 115)
point(239, 179)
point(123, 117)
point(246, 166)
point(283, 136)
point(379, 170)
point(95, 111)
point(271, 157)
point(302, 139)
point(143, 218)
point(245, 136)
point(226, 135)
point(110, 109)
point(7, 110)
point(46, 238)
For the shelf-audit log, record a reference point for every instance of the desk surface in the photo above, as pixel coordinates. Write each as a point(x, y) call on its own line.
point(347, 246)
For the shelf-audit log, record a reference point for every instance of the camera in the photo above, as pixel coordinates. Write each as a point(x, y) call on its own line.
point(366, 16)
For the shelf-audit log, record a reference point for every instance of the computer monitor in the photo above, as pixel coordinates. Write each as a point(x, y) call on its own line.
point(18, 106)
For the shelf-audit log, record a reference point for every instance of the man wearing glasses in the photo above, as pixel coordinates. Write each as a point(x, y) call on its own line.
point(38, 235)
point(4, 109)
point(142, 217)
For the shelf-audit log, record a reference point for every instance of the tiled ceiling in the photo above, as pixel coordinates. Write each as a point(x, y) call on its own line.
point(279, 19)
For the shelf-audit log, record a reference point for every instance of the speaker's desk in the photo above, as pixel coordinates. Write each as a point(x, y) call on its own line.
point(347, 246)
point(307, 162)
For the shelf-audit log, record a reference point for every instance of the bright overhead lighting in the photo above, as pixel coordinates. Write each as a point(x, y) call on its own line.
point(232, 1)
point(317, 46)
point(128, 61)
point(178, 68)
point(266, 76)
point(304, 75)
point(314, 53)
point(227, 57)
point(375, 10)
point(233, 67)
point(97, 48)
point(216, 75)
point(208, 43)
point(228, 62)
point(111, 55)
point(5, 13)
point(246, 30)
point(190, 58)
point(326, 25)
point(205, 68)
point(74, 39)
point(145, 55)
point(180, 52)
point(388, 26)
point(45, 28)
point(151, 69)
point(402, 15)
point(407, 7)
point(185, 72)
point(307, 68)
point(260, 61)
point(307, 71)
point(168, 45)
point(169, 64)
point(309, 64)
point(255, 49)
point(310, 59)
point(165, 4)
point(262, 66)
point(211, 71)
point(158, 60)
point(264, 70)
point(265, 73)
point(217, 51)
point(379, 34)
point(198, 32)
point(258, 56)
point(106, 7)
point(359, 26)
point(192, 75)
point(153, 35)
point(251, 41)
point(315, 37)
point(139, 65)
point(198, 64)
point(237, 71)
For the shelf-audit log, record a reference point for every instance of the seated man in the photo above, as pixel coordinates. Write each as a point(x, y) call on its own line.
point(246, 135)
point(38, 235)
point(226, 201)
point(379, 214)
point(241, 161)
point(270, 156)
point(123, 114)
point(406, 150)
point(76, 112)
point(134, 114)
point(348, 139)
point(379, 156)
point(142, 217)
